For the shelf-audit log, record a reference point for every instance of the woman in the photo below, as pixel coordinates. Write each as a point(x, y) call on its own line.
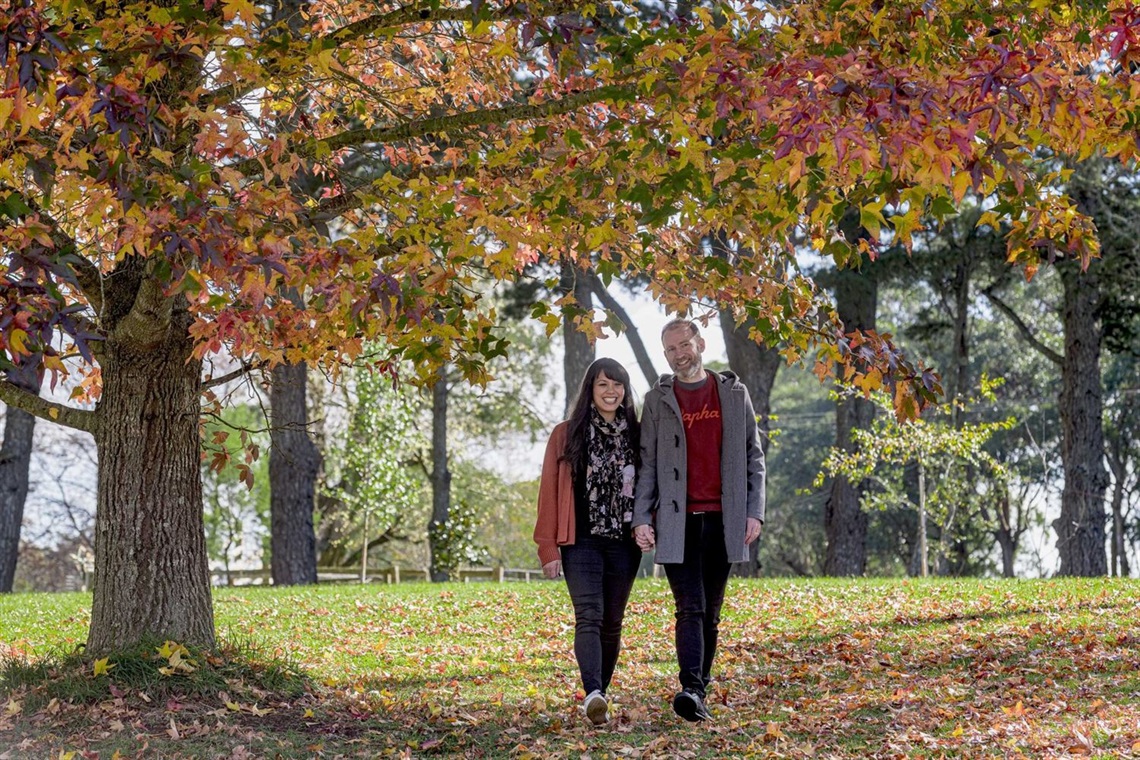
point(585, 504)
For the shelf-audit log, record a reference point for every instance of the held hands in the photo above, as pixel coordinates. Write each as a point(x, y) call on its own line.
point(644, 536)
point(552, 569)
point(751, 530)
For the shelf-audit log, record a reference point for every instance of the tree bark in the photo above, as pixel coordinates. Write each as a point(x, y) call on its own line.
point(151, 569)
point(15, 463)
point(757, 367)
point(440, 480)
point(856, 300)
point(1080, 527)
point(579, 350)
point(293, 465)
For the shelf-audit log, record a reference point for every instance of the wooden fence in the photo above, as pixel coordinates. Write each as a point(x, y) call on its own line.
point(261, 577)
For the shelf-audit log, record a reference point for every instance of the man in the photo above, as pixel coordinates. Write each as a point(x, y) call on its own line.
point(699, 497)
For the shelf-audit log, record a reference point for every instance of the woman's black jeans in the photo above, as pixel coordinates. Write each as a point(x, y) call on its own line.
point(599, 575)
point(698, 586)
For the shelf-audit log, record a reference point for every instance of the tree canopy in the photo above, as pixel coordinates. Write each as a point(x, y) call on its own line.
point(289, 182)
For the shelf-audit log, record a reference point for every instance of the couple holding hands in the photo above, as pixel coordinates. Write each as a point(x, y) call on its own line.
point(688, 480)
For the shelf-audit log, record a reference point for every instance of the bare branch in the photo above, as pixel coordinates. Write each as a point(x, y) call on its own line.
point(244, 369)
point(51, 411)
point(1022, 328)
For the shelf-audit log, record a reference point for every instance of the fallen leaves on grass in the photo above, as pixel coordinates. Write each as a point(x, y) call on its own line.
point(833, 669)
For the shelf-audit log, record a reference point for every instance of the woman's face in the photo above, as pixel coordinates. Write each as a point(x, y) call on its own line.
point(608, 395)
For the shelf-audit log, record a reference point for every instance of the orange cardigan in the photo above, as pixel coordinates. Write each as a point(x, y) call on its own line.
point(555, 524)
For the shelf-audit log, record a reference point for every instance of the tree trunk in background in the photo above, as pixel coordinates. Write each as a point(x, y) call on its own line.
point(757, 367)
point(151, 568)
point(293, 465)
point(440, 481)
point(1116, 541)
point(1007, 534)
point(1080, 527)
point(856, 300)
point(15, 462)
point(579, 350)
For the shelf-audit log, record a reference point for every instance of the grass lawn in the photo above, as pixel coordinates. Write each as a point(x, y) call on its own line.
point(852, 669)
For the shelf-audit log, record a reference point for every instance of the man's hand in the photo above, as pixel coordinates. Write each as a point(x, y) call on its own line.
point(643, 535)
point(751, 530)
point(552, 569)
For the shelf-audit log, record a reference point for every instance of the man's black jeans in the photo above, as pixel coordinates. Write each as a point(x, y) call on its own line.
point(698, 586)
point(599, 575)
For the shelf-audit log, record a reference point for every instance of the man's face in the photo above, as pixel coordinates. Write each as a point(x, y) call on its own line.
point(683, 352)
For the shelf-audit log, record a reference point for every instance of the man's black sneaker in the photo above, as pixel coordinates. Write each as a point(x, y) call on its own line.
point(690, 706)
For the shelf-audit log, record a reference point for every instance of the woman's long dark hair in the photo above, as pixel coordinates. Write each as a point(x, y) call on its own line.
point(578, 432)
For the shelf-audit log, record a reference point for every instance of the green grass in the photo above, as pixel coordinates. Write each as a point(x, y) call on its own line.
point(806, 669)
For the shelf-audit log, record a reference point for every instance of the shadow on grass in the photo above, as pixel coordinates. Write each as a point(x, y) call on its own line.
point(161, 670)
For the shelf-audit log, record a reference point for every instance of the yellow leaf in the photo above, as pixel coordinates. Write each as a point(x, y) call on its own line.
point(54, 413)
point(14, 707)
point(308, 712)
point(17, 339)
point(233, 706)
point(962, 183)
point(101, 666)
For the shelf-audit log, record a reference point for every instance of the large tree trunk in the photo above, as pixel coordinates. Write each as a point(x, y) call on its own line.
point(1080, 527)
point(151, 570)
point(440, 480)
point(856, 300)
point(757, 367)
point(579, 350)
point(293, 465)
point(15, 463)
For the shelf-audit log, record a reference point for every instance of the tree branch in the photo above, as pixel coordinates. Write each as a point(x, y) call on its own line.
point(427, 14)
point(421, 127)
point(631, 333)
point(332, 208)
point(150, 314)
point(244, 369)
point(31, 403)
point(1022, 328)
point(392, 20)
point(87, 275)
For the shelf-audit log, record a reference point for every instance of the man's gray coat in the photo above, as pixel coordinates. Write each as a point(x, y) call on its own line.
point(662, 479)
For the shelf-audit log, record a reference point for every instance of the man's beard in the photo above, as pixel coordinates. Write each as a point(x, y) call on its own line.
point(692, 373)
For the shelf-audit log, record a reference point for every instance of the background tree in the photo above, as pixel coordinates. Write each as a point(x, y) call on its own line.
point(945, 451)
point(15, 462)
point(236, 490)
